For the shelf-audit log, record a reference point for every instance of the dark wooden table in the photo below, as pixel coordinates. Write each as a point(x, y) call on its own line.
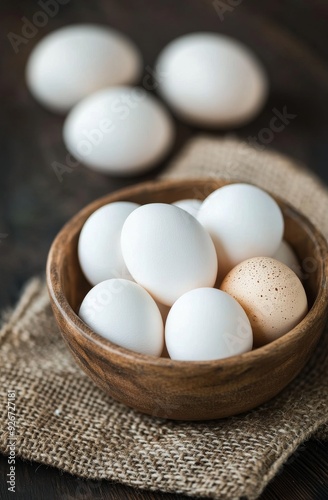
point(290, 38)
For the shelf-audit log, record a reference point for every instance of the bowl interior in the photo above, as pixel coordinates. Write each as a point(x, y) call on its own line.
point(187, 390)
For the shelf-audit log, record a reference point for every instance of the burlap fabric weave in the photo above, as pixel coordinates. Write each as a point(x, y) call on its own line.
point(64, 420)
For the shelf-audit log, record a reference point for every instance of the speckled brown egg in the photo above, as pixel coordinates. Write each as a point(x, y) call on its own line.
point(271, 294)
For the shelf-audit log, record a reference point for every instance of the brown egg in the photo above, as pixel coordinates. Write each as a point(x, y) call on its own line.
point(271, 294)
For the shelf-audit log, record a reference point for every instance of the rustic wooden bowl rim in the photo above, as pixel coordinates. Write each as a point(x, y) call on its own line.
point(259, 354)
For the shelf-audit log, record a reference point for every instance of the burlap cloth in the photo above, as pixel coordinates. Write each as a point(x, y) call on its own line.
point(64, 420)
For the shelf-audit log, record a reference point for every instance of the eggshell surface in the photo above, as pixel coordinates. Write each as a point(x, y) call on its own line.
point(99, 246)
point(191, 206)
point(206, 324)
point(211, 80)
point(124, 313)
point(271, 294)
point(121, 130)
point(243, 221)
point(75, 61)
point(167, 251)
point(286, 255)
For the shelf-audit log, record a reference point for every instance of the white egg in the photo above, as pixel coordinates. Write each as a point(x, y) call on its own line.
point(191, 206)
point(207, 324)
point(99, 247)
point(286, 255)
point(76, 61)
point(211, 80)
point(167, 251)
point(121, 130)
point(244, 222)
point(124, 313)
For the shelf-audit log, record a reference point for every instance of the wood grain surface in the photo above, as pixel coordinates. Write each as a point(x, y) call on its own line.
point(291, 40)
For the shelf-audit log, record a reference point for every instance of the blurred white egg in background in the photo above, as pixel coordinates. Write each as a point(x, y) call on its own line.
point(77, 60)
point(211, 80)
point(119, 130)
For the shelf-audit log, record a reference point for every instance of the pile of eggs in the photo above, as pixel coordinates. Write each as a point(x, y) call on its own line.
point(202, 280)
point(88, 71)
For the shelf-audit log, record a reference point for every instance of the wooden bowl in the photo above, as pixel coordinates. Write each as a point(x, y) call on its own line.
point(184, 390)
